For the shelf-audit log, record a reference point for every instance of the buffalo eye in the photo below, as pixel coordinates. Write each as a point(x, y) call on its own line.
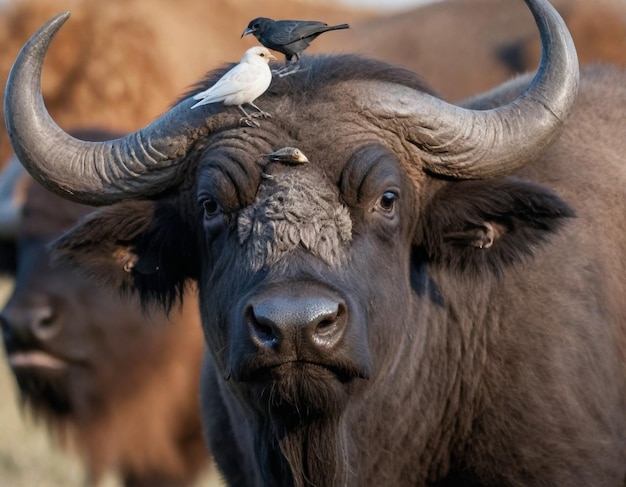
point(211, 208)
point(387, 202)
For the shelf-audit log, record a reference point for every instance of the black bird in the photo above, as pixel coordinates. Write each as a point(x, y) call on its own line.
point(290, 37)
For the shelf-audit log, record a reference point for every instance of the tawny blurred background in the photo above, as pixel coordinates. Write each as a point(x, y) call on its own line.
point(117, 64)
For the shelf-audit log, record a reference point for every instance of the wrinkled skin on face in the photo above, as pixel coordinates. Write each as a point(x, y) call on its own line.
point(302, 233)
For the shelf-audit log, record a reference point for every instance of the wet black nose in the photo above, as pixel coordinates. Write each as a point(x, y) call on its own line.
point(23, 325)
point(300, 328)
point(300, 322)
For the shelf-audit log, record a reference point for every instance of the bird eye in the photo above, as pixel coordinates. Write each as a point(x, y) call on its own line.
point(262, 54)
point(255, 26)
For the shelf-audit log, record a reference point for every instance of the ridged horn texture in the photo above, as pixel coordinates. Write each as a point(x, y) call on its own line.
point(474, 144)
point(98, 173)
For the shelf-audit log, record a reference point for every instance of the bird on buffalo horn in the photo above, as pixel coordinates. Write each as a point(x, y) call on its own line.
point(291, 37)
point(242, 84)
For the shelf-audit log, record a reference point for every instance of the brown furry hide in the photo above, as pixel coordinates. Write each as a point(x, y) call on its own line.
point(463, 47)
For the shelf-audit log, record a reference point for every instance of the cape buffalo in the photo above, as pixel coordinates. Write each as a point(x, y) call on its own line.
point(118, 385)
point(435, 298)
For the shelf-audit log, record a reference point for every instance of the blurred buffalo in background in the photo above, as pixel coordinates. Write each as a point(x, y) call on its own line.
point(116, 384)
point(464, 47)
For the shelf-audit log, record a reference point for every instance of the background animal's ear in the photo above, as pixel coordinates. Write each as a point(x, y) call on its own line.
point(474, 226)
point(142, 246)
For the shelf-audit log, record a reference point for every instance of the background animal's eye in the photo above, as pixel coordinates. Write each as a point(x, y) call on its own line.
point(387, 201)
point(211, 208)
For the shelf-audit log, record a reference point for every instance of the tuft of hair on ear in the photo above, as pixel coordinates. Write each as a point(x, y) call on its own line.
point(473, 227)
point(167, 258)
point(101, 243)
point(142, 247)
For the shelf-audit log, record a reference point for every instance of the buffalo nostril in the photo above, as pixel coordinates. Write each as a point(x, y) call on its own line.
point(329, 329)
point(44, 322)
point(318, 320)
point(263, 330)
point(38, 321)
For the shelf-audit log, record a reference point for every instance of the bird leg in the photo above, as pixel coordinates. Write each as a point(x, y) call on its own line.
point(282, 69)
point(260, 113)
point(249, 122)
point(288, 68)
point(248, 119)
point(294, 69)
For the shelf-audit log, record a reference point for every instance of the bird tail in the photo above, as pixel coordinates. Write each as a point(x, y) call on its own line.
point(204, 101)
point(337, 27)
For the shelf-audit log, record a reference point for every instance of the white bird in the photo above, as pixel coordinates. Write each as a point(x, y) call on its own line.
point(242, 84)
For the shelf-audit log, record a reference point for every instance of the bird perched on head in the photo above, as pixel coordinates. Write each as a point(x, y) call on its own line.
point(242, 84)
point(290, 37)
point(289, 155)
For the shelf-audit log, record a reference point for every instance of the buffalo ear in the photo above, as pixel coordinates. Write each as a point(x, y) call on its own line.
point(135, 246)
point(487, 225)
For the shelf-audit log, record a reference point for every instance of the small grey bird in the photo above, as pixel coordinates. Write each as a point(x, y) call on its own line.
point(289, 155)
point(242, 84)
point(291, 37)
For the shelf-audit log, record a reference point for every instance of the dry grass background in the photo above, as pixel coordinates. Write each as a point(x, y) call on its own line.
point(27, 456)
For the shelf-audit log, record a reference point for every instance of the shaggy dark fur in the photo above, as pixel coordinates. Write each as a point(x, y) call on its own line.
point(138, 225)
point(473, 334)
point(329, 70)
point(520, 214)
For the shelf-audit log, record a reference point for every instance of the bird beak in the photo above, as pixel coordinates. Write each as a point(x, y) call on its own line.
point(273, 58)
point(248, 30)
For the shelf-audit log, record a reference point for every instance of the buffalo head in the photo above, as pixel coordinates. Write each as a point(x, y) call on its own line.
point(355, 305)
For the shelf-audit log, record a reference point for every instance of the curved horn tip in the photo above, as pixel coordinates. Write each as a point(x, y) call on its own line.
point(477, 144)
point(95, 173)
point(52, 26)
point(48, 30)
point(59, 19)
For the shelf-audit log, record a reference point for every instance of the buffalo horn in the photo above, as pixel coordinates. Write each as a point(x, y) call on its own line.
point(98, 173)
point(476, 144)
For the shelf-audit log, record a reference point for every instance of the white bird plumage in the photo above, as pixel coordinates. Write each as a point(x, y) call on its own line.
point(242, 84)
